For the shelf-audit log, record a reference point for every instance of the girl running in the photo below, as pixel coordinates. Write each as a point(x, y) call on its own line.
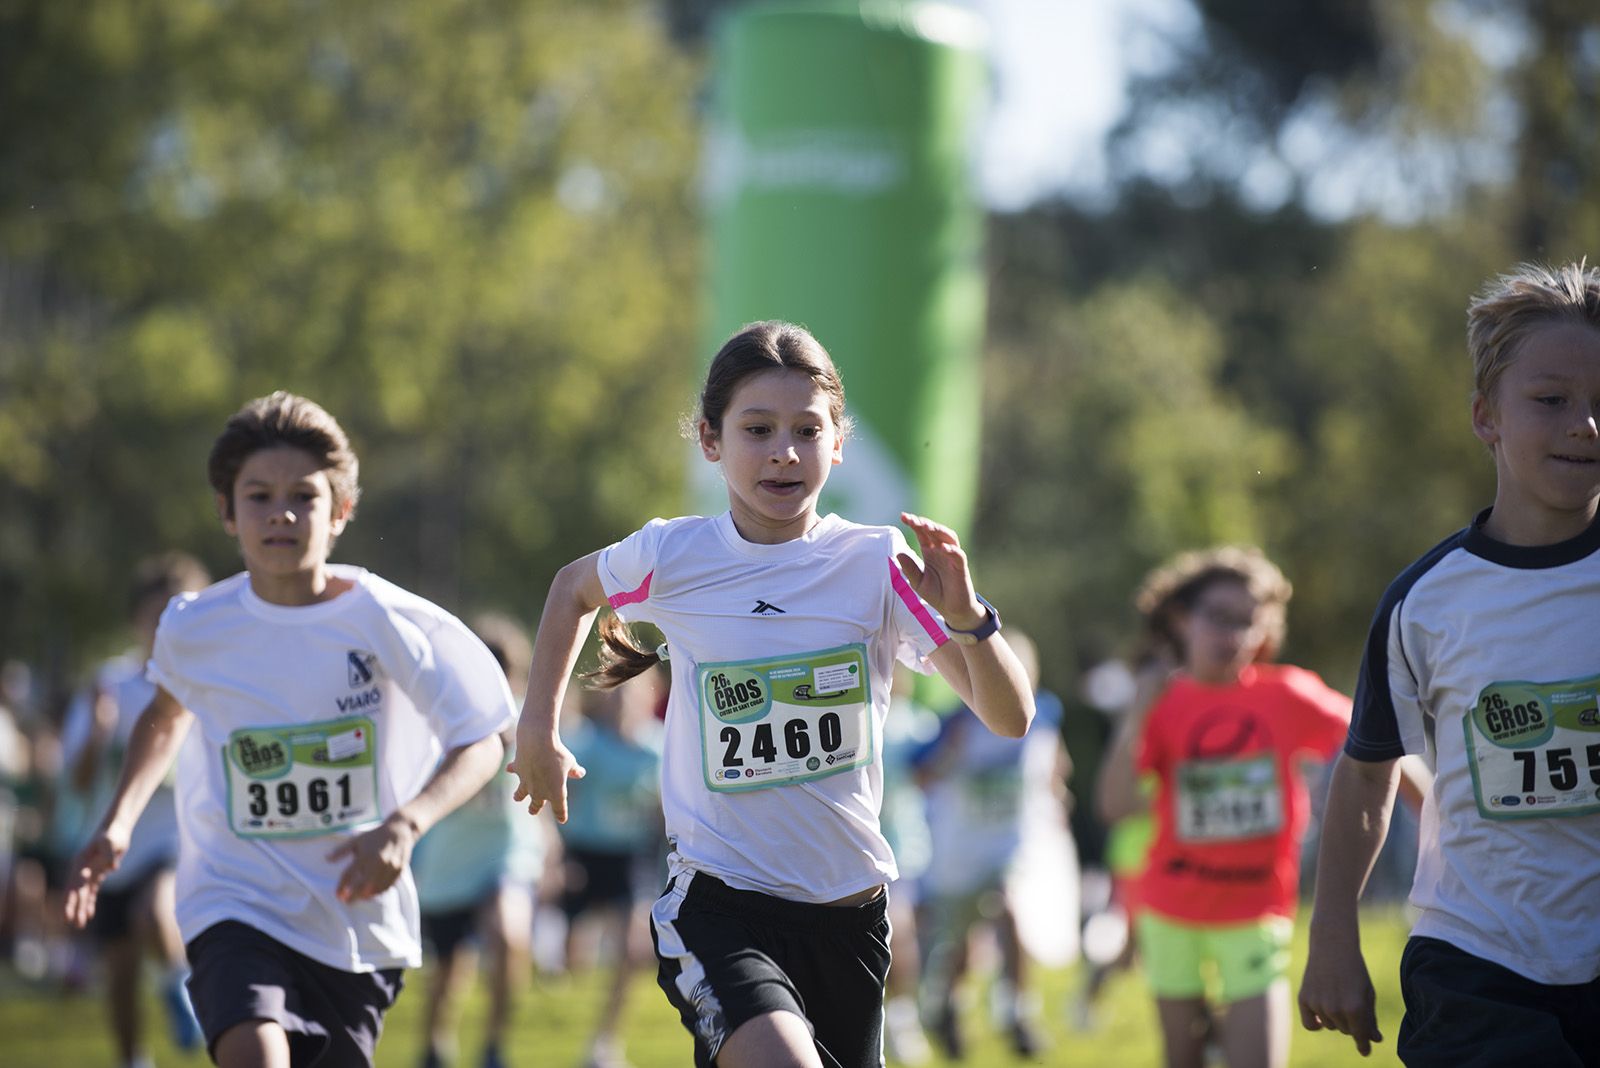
point(782, 630)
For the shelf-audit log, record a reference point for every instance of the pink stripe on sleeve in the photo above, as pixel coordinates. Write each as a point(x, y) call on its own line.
point(909, 597)
point(633, 596)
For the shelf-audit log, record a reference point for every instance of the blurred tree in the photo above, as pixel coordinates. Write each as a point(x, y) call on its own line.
point(467, 228)
point(1336, 337)
point(1110, 447)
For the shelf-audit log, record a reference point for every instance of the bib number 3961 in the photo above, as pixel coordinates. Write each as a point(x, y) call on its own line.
point(303, 779)
point(787, 720)
point(1534, 749)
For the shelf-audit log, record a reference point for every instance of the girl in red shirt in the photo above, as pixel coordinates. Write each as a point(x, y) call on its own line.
point(1217, 760)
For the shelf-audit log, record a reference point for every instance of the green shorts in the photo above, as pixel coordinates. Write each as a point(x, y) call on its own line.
point(1227, 962)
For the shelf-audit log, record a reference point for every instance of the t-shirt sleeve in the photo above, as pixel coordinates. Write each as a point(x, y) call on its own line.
point(1324, 721)
point(459, 686)
point(1386, 692)
point(918, 628)
point(627, 568)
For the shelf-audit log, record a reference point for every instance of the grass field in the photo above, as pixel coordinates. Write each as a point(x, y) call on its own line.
point(40, 1029)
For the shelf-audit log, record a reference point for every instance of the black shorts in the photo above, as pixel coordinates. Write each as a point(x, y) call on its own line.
point(1465, 1012)
point(447, 931)
point(113, 909)
point(333, 1017)
point(598, 879)
point(728, 956)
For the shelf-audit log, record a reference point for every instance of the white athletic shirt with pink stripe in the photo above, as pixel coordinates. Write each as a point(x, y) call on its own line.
point(820, 601)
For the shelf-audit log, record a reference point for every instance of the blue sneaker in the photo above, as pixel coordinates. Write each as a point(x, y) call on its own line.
point(186, 1033)
point(491, 1058)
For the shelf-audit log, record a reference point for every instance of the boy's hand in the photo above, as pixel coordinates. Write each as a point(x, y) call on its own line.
point(942, 580)
point(1336, 992)
point(99, 858)
point(377, 857)
point(542, 770)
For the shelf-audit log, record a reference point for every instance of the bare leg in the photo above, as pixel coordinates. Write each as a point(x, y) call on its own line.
point(772, 1040)
point(1183, 1031)
point(1255, 1031)
point(450, 974)
point(1014, 967)
point(507, 927)
point(253, 1044)
point(164, 938)
point(122, 996)
point(629, 926)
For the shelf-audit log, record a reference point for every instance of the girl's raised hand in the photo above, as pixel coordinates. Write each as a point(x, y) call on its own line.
point(942, 580)
point(542, 770)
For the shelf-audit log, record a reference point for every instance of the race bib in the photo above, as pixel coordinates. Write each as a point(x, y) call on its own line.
point(787, 720)
point(1534, 749)
point(302, 779)
point(1228, 800)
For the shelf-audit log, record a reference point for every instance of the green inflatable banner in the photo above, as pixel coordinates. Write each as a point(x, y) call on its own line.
point(839, 182)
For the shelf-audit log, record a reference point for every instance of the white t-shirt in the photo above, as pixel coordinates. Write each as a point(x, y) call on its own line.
point(312, 724)
point(992, 791)
point(1483, 657)
point(781, 660)
point(154, 841)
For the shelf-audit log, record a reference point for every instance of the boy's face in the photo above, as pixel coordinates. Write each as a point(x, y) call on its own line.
point(1541, 423)
point(283, 513)
point(1223, 632)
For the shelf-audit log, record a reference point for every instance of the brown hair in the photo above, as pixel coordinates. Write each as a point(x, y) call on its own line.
point(764, 346)
point(285, 419)
point(767, 346)
point(1514, 305)
point(621, 655)
point(1176, 586)
point(165, 576)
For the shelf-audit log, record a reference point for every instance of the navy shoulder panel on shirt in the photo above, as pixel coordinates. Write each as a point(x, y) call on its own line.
point(1374, 731)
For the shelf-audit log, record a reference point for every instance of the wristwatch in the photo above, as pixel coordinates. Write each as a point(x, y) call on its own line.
point(990, 625)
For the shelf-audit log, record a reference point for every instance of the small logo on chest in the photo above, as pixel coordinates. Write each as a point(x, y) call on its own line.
point(765, 608)
point(362, 668)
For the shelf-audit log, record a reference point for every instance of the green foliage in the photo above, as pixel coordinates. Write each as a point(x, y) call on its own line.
point(466, 228)
point(1138, 455)
point(1149, 359)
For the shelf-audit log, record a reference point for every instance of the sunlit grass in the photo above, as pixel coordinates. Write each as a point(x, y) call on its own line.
point(39, 1029)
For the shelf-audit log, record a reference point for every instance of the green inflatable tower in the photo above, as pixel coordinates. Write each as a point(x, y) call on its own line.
point(839, 180)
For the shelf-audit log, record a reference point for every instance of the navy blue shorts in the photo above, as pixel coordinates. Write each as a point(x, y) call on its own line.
point(728, 956)
point(333, 1018)
point(1465, 1012)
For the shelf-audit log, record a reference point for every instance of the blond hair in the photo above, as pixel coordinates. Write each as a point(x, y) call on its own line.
point(1514, 305)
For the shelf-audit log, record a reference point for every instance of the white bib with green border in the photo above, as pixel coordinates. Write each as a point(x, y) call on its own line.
point(790, 719)
point(1228, 800)
point(1534, 749)
point(302, 779)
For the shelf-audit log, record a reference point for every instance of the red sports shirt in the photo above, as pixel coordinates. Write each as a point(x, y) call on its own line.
point(1231, 805)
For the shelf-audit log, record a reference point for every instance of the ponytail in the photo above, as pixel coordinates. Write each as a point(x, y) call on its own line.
point(621, 656)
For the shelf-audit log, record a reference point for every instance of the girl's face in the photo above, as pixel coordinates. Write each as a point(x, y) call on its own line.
point(1222, 634)
point(777, 446)
point(283, 516)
